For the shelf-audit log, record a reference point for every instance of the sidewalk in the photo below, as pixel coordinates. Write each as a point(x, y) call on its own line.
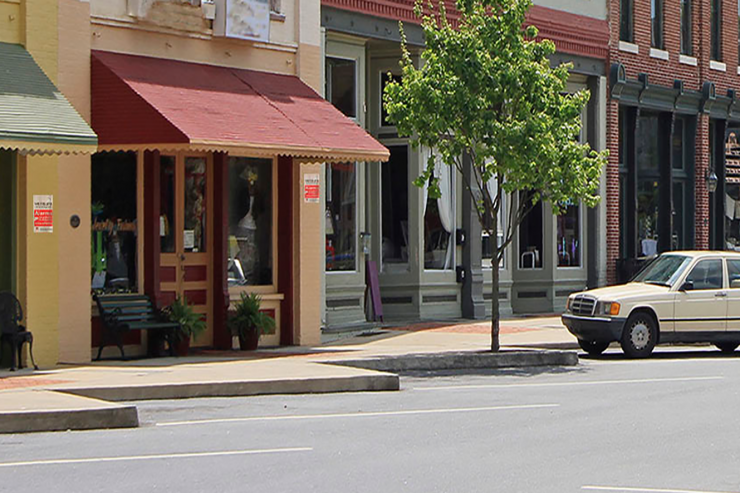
point(94, 395)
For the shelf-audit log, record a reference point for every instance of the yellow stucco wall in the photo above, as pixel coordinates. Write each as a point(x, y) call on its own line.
point(10, 21)
point(38, 262)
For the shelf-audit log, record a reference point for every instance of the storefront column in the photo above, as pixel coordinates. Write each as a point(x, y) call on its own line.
point(473, 305)
point(221, 301)
point(152, 243)
point(285, 231)
point(38, 257)
point(612, 192)
point(700, 182)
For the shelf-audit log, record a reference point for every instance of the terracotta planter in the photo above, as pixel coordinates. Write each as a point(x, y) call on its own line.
point(182, 346)
point(249, 340)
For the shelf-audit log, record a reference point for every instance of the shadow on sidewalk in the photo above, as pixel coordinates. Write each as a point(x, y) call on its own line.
point(528, 371)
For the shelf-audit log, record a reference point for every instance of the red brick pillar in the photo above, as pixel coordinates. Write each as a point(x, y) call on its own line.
point(612, 191)
point(700, 184)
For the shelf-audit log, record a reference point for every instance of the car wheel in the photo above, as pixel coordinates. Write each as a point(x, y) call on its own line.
point(639, 336)
point(592, 347)
point(727, 347)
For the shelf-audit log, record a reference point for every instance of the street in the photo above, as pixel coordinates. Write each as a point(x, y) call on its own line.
point(666, 424)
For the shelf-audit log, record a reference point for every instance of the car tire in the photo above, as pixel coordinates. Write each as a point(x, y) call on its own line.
point(727, 347)
point(639, 336)
point(593, 348)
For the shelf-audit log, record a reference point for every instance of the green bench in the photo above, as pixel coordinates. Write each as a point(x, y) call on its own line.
point(122, 313)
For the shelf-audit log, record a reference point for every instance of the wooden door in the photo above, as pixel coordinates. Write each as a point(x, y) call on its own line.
point(186, 233)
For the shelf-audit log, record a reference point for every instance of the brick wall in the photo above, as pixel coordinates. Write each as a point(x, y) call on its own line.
point(664, 72)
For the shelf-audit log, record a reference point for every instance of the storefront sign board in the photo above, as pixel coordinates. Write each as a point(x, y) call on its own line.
point(43, 216)
point(311, 188)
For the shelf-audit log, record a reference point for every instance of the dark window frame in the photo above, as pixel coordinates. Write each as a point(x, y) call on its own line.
point(716, 30)
point(656, 24)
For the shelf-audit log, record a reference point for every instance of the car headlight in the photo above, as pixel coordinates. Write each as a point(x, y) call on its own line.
point(608, 308)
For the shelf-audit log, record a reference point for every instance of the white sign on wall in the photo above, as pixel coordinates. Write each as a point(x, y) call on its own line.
point(43, 213)
point(243, 19)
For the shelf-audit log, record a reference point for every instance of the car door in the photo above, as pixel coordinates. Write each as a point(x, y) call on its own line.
point(702, 305)
point(733, 294)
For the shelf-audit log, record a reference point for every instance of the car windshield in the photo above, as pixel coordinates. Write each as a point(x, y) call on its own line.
point(664, 270)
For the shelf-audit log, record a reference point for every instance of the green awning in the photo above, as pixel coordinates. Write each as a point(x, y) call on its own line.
point(34, 115)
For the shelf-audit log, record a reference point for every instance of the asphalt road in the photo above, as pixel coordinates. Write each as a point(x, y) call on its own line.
point(670, 424)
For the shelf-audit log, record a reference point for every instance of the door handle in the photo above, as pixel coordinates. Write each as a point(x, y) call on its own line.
point(721, 294)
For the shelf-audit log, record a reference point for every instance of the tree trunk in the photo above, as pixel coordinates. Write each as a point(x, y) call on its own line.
point(495, 313)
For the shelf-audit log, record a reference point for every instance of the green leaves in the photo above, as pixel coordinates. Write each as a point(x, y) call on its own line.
point(485, 89)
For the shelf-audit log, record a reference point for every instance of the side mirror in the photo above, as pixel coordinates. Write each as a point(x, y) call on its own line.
point(687, 286)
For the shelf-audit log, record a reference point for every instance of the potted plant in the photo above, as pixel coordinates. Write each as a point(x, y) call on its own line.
point(192, 324)
point(248, 322)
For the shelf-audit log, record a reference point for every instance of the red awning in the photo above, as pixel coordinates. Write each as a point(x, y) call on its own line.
point(150, 103)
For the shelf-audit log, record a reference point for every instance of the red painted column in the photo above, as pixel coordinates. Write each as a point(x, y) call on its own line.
point(151, 226)
point(221, 301)
point(285, 253)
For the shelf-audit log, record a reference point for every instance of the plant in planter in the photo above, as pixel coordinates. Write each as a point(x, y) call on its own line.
point(248, 322)
point(192, 324)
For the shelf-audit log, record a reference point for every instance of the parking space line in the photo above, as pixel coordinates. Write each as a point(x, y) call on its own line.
point(645, 490)
point(568, 384)
point(186, 455)
point(415, 412)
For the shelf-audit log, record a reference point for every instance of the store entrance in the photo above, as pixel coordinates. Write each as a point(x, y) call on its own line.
point(186, 232)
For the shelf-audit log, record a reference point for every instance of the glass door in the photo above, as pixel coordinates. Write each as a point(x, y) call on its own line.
point(186, 232)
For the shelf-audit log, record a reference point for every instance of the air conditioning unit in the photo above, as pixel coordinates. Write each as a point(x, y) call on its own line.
point(242, 19)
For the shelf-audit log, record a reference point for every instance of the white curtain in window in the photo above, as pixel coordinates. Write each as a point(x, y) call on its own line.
point(445, 202)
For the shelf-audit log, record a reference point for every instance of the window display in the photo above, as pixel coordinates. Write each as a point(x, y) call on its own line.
point(341, 227)
point(250, 222)
point(439, 219)
point(732, 191)
point(194, 235)
point(114, 238)
point(530, 236)
point(569, 237)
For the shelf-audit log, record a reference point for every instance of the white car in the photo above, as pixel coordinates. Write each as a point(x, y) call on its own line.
point(679, 297)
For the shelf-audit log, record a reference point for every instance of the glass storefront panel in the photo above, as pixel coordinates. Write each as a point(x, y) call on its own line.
point(395, 207)
point(647, 217)
point(114, 233)
point(732, 191)
point(250, 222)
point(167, 204)
point(569, 237)
point(439, 223)
point(195, 233)
point(530, 238)
point(341, 217)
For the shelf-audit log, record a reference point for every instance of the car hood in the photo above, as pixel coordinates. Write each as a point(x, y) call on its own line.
point(627, 291)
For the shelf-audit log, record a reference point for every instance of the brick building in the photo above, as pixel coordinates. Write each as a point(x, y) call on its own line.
point(672, 123)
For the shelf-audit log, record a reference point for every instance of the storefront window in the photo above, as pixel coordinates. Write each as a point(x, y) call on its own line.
point(114, 239)
point(647, 217)
point(341, 85)
point(439, 222)
point(250, 222)
point(341, 217)
point(530, 237)
point(167, 204)
point(732, 191)
point(395, 207)
point(683, 172)
point(194, 235)
point(569, 237)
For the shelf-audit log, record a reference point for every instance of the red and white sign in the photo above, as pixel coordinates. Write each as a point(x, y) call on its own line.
point(43, 213)
point(311, 188)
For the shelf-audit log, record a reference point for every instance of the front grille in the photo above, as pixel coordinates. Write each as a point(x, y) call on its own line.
point(583, 305)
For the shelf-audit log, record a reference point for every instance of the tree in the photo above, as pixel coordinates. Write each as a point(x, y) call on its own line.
point(485, 94)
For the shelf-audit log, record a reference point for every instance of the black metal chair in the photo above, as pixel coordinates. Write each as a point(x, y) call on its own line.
point(12, 332)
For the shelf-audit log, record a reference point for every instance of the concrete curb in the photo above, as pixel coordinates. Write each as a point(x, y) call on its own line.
point(69, 419)
point(465, 360)
point(361, 383)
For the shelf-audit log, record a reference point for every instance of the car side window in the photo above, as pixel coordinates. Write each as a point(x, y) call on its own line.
point(707, 274)
point(733, 270)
